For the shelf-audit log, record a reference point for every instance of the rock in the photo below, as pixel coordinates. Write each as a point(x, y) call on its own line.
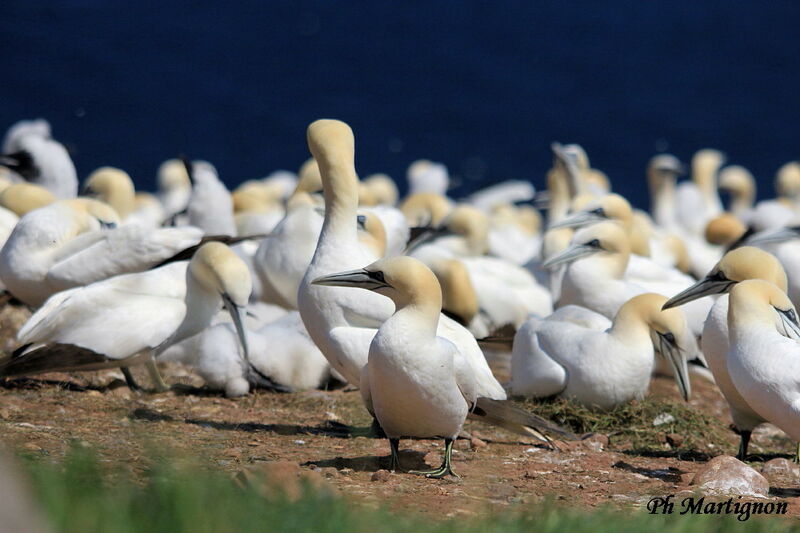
point(594, 441)
point(381, 475)
point(729, 476)
point(674, 439)
point(274, 478)
point(476, 443)
point(780, 471)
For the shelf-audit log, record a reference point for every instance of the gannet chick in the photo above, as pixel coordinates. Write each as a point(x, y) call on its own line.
point(113, 187)
point(77, 242)
point(125, 319)
point(600, 367)
point(738, 265)
point(418, 383)
point(44, 161)
point(764, 353)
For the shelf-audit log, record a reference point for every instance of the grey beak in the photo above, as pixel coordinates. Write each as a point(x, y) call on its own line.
point(579, 219)
point(678, 363)
point(573, 253)
point(426, 236)
point(771, 236)
point(236, 314)
point(790, 323)
point(704, 287)
point(359, 278)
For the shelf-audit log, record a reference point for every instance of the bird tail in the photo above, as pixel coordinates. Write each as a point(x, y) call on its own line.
point(51, 358)
point(504, 414)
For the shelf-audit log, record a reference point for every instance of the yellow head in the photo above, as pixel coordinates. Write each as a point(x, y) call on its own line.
point(22, 198)
point(112, 186)
point(220, 271)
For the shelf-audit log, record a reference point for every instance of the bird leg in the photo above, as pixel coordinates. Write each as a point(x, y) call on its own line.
point(395, 461)
point(743, 443)
point(797, 454)
point(126, 372)
point(443, 470)
point(155, 375)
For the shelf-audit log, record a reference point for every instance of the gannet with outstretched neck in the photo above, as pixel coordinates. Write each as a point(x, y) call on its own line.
point(419, 384)
point(738, 265)
point(764, 356)
point(122, 320)
point(342, 321)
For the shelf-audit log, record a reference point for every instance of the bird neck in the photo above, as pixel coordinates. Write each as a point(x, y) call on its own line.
point(201, 306)
point(422, 314)
point(742, 200)
point(340, 187)
point(662, 192)
point(629, 326)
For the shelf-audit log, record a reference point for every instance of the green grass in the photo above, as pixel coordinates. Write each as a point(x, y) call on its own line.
point(632, 423)
point(80, 496)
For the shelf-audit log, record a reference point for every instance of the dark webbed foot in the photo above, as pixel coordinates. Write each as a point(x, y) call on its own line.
point(394, 464)
point(443, 470)
point(743, 444)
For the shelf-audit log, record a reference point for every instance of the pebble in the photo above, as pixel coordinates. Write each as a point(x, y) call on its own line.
point(781, 470)
point(674, 439)
point(381, 475)
point(729, 476)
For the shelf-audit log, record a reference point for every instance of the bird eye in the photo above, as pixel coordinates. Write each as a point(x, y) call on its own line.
point(718, 276)
point(599, 212)
point(594, 243)
point(362, 221)
point(378, 276)
point(107, 225)
point(669, 337)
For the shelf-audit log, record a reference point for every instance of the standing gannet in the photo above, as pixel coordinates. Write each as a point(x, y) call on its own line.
point(340, 320)
point(697, 202)
point(174, 187)
point(738, 265)
point(125, 319)
point(418, 383)
point(77, 242)
point(662, 172)
point(43, 161)
point(210, 205)
point(595, 277)
point(764, 356)
point(567, 355)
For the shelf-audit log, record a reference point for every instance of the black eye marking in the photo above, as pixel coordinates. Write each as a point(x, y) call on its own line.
point(594, 243)
point(107, 225)
point(377, 276)
point(717, 276)
point(669, 337)
point(22, 163)
point(362, 221)
point(599, 212)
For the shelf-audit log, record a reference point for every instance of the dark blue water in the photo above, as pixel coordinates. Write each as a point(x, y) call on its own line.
point(482, 86)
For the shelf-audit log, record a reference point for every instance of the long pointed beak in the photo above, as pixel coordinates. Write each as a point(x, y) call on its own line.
point(579, 219)
point(352, 278)
point(704, 287)
point(573, 253)
point(426, 236)
point(771, 236)
point(791, 325)
point(236, 314)
point(680, 367)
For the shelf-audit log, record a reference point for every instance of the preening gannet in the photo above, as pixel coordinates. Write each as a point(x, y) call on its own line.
point(77, 242)
point(738, 265)
point(576, 353)
point(764, 356)
point(419, 384)
point(125, 319)
point(43, 161)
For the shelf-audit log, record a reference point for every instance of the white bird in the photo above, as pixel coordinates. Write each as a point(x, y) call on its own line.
point(764, 356)
point(427, 176)
point(282, 357)
point(738, 265)
point(210, 205)
point(76, 242)
point(174, 187)
point(578, 354)
point(340, 320)
point(697, 201)
point(783, 243)
point(128, 319)
point(595, 277)
point(418, 384)
point(43, 161)
point(38, 127)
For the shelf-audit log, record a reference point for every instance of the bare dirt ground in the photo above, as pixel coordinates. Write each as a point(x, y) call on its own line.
point(315, 434)
point(323, 436)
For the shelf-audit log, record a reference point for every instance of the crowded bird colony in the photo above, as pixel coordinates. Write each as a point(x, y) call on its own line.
point(295, 281)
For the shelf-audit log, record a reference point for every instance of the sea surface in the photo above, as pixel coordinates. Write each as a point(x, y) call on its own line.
point(484, 87)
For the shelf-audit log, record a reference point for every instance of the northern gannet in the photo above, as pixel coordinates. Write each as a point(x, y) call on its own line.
point(738, 265)
point(418, 383)
point(210, 206)
point(576, 353)
point(764, 355)
point(43, 161)
point(77, 242)
point(174, 187)
point(697, 201)
point(126, 319)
